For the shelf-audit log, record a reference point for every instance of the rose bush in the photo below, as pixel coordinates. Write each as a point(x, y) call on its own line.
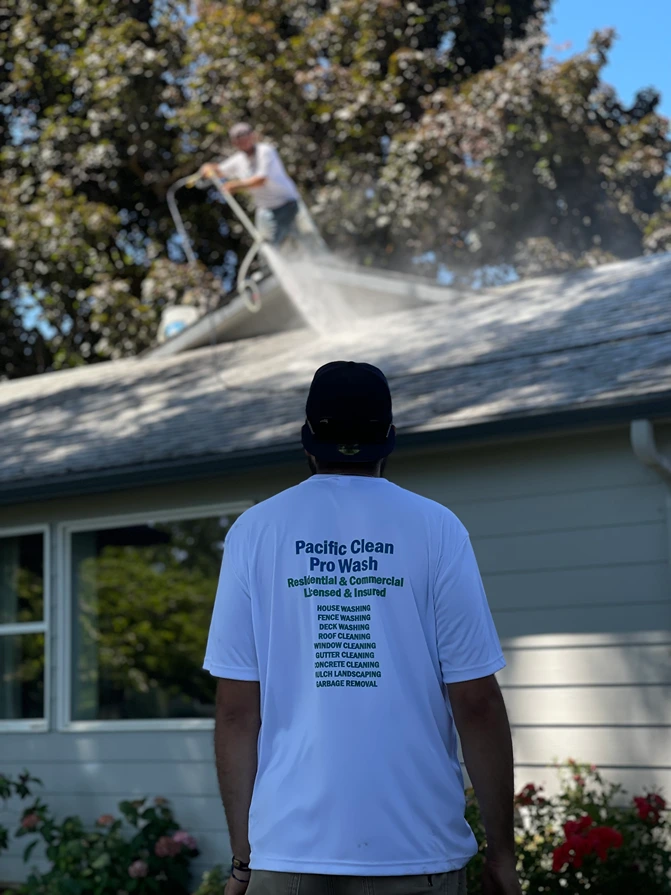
point(142, 851)
point(589, 837)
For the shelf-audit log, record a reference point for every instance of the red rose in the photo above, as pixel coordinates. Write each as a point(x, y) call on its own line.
point(650, 807)
point(560, 856)
point(573, 827)
point(529, 794)
point(582, 839)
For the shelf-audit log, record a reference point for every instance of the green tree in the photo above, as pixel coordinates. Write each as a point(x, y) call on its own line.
point(88, 148)
point(414, 129)
point(143, 613)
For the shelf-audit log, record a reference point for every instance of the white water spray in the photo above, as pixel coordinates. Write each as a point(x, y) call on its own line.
point(322, 304)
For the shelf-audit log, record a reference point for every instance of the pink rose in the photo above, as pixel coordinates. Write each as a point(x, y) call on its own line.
point(138, 870)
point(167, 847)
point(30, 821)
point(185, 839)
point(105, 820)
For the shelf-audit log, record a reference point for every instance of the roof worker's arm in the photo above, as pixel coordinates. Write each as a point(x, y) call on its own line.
point(264, 157)
point(470, 655)
point(226, 169)
point(231, 657)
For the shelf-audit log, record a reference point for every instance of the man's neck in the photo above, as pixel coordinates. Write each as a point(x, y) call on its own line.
point(352, 471)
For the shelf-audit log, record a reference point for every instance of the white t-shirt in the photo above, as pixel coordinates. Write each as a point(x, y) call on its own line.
point(278, 189)
point(353, 601)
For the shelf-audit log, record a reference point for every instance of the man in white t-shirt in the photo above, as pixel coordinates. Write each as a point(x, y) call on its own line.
point(352, 639)
point(257, 168)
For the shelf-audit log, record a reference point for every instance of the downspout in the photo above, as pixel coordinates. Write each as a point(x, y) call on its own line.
point(642, 434)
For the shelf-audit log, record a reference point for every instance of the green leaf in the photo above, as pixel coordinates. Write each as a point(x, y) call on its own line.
point(27, 852)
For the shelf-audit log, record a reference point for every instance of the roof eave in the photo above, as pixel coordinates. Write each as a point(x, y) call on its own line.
point(181, 470)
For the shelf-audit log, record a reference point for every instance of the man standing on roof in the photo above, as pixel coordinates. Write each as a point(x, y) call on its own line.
point(352, 640)
point(257, 168)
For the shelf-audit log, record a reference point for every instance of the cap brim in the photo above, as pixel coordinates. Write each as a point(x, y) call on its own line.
point(339, 453)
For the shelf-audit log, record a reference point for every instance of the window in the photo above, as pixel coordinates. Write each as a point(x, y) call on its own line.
point(22, 627)
point(142, 597)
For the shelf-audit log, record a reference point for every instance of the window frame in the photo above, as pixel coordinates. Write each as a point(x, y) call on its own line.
point(65, 723)
point(34, 725)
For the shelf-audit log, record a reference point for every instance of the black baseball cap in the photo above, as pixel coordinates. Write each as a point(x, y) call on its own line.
point(348, 414)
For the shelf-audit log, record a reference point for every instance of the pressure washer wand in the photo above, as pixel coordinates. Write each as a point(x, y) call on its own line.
point(177, 217)
point(246, 288)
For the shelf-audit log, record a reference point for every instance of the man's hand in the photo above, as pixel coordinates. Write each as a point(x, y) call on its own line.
point(235, 887)
point(209, 170)
point(498, 878)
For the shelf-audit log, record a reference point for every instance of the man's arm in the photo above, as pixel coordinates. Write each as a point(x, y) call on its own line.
point(249, 183)
point(233, 186)
point(236, 731)
point(482, 722)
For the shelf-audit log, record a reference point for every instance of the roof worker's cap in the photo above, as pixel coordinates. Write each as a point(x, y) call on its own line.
point(240, 130)
point(349, 418)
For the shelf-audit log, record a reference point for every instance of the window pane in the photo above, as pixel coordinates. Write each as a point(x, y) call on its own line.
point(143, 597)
point(21, 676)
point(21, 579)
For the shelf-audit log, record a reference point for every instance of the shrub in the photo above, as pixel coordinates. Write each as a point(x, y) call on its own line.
point(588, 838)
point(143, 851)
point(10, 787)
point(213, 882)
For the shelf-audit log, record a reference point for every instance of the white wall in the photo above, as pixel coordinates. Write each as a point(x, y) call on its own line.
point(572, 537)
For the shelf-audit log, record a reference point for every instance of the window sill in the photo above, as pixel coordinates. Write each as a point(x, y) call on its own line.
point(36, 725)
point(126, 725)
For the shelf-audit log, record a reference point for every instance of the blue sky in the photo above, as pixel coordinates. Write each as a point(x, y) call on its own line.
point(641, 56)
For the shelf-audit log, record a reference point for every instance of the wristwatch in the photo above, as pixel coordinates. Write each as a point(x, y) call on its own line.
point(240, 867)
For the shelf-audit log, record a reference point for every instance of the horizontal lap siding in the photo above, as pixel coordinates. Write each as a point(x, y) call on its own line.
point(573, 543)
point(571, 535)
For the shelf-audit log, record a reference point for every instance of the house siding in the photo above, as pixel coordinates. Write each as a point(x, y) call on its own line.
point(572, 537)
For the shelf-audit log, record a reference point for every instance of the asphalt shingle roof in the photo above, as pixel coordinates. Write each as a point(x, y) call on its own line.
point(546, 345)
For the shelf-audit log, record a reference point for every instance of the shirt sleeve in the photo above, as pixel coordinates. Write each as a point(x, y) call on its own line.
point(229, 168)
point(468, 645)
point(231, 649)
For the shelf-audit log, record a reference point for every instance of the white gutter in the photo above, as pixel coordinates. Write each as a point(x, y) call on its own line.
point(642, 434)
point(208, 328)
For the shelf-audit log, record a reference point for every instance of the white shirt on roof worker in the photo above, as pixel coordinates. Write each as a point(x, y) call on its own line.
point(265, 161)
point(257, 168)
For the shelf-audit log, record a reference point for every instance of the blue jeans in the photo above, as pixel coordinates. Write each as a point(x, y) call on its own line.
point(275, 223)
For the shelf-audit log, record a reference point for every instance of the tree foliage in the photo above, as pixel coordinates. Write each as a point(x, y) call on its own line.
point(143, 613)
point(414, 129)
